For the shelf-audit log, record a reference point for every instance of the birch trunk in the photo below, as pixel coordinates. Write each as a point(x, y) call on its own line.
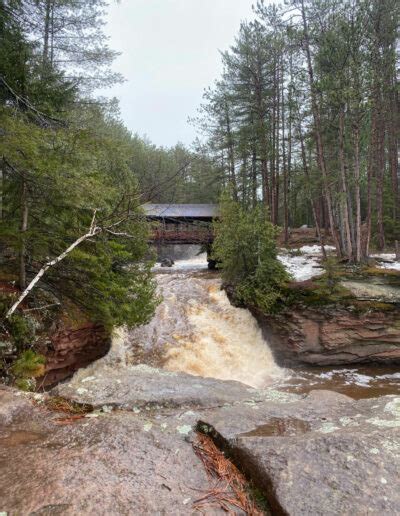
point(92, 232)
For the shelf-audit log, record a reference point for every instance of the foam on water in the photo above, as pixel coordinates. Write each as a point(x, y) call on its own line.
point(196, 330)
point(225, 343)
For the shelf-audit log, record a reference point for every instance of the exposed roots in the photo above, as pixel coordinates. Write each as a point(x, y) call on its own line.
point(231, 490)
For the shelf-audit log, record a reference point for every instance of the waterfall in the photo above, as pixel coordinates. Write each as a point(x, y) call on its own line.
point(196, 330)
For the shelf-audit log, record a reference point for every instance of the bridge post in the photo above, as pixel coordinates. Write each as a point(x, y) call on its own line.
point(212, 264)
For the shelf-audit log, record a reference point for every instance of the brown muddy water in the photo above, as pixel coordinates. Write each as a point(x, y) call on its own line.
point(356, 382)
point(197, 331)
point(283, 427)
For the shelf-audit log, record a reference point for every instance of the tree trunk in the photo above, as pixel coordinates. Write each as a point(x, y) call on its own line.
point(254, 176)
point(393, 135)
point(356, 138)
point(318, 133)
point(344, 203)
point(231, 155)
point(52, 34)
point(289, 155)
point(380, 172)
point(277, 152)
point(24, 228)
point(273, 150)
point(285, 173)
point(46, 33)
point(312, 201)
point(370, 180)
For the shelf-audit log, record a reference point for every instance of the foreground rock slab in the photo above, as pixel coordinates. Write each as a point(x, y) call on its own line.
point(115, 464)
point(325, 454)
point(320, 454)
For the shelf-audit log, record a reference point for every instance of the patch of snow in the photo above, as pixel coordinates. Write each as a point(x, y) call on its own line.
point(315, 249)
point(301, 267)
point(394, 265)
point(393, 376)
point(307, 264)
point(390, 264)
point(384, 256)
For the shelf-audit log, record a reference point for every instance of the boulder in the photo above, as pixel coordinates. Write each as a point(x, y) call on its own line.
point(167, 262)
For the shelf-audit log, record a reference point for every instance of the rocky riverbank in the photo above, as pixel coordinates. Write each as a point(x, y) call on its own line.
point(333, 335)
point(69, 349)
point(351, 317)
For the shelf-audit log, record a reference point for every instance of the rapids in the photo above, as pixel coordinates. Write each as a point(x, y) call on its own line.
point(196, 330)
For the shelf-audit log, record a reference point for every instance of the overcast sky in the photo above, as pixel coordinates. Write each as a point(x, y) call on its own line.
point(170, 53)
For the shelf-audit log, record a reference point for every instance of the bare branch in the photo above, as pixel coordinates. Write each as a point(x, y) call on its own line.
point(93, 231)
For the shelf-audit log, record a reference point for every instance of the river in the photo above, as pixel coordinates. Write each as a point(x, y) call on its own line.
point(197, 331)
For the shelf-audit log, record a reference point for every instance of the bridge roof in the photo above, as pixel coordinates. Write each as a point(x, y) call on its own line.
point(178, 211)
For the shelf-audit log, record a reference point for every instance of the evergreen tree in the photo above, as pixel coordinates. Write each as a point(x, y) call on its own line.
point(305, 119)
point(245, 247)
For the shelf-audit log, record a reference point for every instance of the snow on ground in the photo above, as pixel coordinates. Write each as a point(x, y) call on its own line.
point(316, 249)
point(305, 265)
point(391, 262)
point(301, 267)
point(394, 265)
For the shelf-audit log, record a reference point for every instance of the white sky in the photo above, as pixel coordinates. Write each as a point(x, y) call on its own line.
point(170, 53)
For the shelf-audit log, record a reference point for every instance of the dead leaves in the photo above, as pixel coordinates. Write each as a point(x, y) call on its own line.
point(68, 420)
point(231, 487)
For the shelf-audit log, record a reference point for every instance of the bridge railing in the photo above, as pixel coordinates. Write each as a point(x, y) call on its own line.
point(190, 236)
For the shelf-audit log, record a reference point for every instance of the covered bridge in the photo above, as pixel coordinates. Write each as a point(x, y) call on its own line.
point(181, 223)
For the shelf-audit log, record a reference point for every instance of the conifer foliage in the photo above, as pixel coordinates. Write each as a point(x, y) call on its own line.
point(245, 248)
point(65, 157)
point(305, 119)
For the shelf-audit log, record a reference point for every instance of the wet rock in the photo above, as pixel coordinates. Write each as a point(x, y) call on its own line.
point(325, 454)
point(12, 402)
point(333, 336)
point(118, 463)
point(318, 454)
point(167, 262)
point(326, 474)
point(70, 349)
point(141, 385)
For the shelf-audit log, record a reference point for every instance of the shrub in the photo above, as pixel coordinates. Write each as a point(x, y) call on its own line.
point(22, 330)
point(28, 366)
point(245, 247)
